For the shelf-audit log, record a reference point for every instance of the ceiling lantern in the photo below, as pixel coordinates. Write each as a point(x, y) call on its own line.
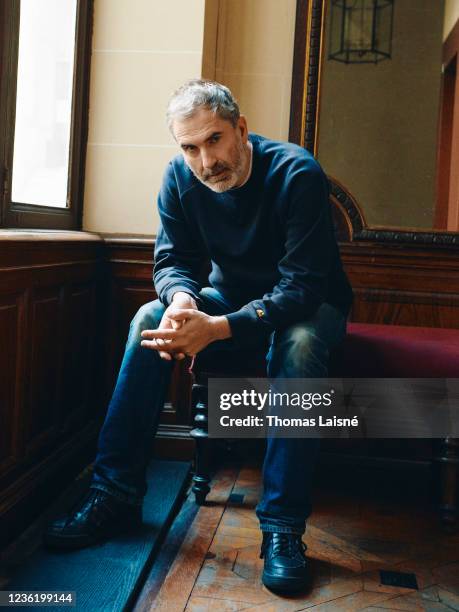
point(361, 31)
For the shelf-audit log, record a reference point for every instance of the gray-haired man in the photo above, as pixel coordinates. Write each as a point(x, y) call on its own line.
point(259, 210)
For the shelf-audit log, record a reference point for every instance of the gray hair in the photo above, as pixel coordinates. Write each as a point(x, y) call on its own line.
point(198, 93)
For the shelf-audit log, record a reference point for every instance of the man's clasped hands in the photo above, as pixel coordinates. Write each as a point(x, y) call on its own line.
point(184, 330)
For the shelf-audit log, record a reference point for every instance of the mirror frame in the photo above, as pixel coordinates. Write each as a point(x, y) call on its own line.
point(308, 57)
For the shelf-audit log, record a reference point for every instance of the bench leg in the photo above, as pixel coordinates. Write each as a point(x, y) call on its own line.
point(448, 460)
point(201, 478)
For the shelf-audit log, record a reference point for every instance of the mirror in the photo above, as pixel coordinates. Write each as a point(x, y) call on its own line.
point(379, 123)
point(384, 129)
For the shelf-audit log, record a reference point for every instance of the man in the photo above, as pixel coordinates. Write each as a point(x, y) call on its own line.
point(259, 210)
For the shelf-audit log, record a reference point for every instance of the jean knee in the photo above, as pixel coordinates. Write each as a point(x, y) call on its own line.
point(147, 317)
point(301, 352)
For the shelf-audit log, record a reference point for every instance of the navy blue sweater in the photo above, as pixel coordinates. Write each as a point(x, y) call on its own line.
point(270, 242)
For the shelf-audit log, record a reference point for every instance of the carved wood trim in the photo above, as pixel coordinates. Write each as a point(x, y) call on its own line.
point(307, 57)
point(407, 297)
point(359, 231)
point(53, 283)
point(304, 112)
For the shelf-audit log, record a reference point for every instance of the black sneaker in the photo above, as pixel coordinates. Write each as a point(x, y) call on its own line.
point(286, 567)
point(97, 517)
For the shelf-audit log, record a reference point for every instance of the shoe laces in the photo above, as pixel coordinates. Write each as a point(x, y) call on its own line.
point(94, 504)
point(284, 545)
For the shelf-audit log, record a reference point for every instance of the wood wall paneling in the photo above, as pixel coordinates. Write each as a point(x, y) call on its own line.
point(80, 345)
point(403, 285)
point(65, 308)
point(400, 285)
point(11, 376)
point(44, 348)
point(131, 286)
point(50, 311)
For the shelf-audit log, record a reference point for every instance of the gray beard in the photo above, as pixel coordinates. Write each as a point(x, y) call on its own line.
point(228, 183)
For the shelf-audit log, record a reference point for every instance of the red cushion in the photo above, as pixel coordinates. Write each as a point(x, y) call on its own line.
point(371, 350)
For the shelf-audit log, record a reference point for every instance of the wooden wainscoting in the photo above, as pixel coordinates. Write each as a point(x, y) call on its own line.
point(399, 285)
point(51, 293)
point(66, 300)
point(404, 285)
point(130, 279)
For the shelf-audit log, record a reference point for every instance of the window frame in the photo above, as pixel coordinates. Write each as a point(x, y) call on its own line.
point(21, 215)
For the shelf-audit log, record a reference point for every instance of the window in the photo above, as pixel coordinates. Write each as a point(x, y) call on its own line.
point(44, 70)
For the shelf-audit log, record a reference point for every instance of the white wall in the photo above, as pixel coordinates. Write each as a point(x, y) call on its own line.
point(451, 16)
point(254, 55)
point(142, 51)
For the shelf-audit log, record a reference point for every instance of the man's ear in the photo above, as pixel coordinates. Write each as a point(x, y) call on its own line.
point(242, 127)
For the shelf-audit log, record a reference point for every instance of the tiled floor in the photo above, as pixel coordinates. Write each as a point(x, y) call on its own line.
point(349, 538)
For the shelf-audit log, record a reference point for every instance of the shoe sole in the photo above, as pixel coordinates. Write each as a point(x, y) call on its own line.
point(276, 583)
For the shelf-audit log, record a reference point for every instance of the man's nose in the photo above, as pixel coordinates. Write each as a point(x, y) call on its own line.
point(208, 159)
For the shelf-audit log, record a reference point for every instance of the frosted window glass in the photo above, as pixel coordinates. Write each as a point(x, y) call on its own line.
point(44, 102)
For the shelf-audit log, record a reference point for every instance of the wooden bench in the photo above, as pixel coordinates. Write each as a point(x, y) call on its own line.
point(369, 351)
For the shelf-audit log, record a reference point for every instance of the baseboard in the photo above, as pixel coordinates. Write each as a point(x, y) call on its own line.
point(173, 442)
point(25, 498)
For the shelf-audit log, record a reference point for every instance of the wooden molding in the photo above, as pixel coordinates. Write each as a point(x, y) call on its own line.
point(307, 58)
point(359, 231)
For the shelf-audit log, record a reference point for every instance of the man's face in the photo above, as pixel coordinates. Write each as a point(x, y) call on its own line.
point(214, 150)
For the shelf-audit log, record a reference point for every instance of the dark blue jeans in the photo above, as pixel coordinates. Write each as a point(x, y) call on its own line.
point(300, 351)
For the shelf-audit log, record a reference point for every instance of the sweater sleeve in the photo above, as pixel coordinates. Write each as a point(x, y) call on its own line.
point(178, 258)
point(304, 267)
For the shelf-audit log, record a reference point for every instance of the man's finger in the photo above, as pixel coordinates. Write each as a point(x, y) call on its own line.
point(164, 334)
point(182, 313)
point(172, 346)
point(160, 343)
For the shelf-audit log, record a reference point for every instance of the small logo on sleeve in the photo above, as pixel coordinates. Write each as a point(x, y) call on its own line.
point(260, 313)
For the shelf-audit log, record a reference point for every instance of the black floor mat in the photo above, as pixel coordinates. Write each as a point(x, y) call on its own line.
point(106, 577)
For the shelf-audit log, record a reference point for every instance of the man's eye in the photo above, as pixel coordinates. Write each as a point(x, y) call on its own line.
point(214, 138)
point(189, 149)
